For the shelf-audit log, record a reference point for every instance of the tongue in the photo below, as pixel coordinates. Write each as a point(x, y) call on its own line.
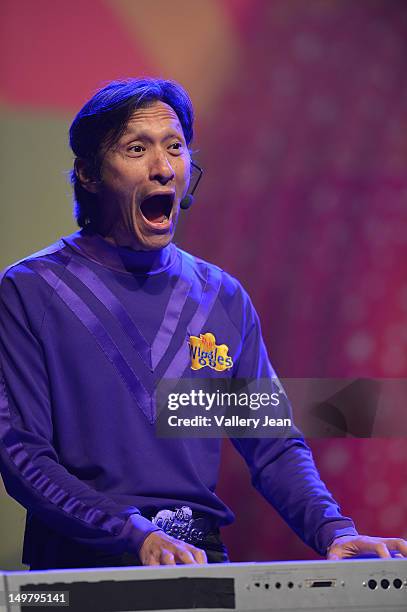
point(156, 218)
point(153, 210)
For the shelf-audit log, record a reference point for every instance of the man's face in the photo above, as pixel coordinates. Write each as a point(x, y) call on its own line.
point(144, 176)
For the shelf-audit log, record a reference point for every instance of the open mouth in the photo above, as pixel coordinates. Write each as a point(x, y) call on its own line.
point(157, 208)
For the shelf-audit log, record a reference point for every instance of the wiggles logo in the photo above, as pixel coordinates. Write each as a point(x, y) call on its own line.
point(205, 352)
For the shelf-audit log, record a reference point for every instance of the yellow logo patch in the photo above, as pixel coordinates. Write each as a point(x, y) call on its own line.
point(205, 352)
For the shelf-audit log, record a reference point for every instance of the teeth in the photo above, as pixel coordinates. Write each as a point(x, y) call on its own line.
point(165, 219)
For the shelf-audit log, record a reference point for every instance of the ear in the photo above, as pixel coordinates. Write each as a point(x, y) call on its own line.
point(85, 176)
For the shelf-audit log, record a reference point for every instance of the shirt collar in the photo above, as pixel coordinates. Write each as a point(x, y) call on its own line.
point(121, 259)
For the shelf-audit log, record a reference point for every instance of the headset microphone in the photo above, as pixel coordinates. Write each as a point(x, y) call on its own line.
point(188, 200)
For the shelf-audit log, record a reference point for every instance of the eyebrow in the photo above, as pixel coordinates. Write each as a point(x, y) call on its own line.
point(134, 134)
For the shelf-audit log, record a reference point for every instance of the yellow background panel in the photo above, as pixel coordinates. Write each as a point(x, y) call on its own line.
point(191, 42)
point(36, 206)
point(35, 211)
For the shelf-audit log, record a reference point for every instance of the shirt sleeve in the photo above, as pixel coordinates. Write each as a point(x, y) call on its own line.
point(29, 463)
point(282, 469)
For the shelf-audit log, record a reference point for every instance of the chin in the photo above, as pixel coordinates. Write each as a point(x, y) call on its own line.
point(155, 243)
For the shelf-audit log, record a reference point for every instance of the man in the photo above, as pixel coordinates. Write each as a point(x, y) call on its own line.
point(91, 324)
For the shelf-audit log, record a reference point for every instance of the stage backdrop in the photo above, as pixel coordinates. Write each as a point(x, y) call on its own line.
point(302, 130)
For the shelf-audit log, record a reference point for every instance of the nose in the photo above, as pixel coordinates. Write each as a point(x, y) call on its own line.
point(161, 169)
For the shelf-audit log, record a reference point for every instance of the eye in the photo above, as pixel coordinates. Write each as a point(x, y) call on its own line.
point(176, 147)
point(136, 149)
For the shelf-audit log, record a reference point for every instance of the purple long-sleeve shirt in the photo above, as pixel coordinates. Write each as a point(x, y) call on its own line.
point(87, 331)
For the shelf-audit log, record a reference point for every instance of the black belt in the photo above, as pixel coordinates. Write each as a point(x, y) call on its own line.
point(184, 524)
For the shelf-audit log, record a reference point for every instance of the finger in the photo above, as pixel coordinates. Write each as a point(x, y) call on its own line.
point(397, 544)
point(185, 556)
point(199, 555)
point(151, 561)
point(333, 556)
point(381, 549)
point(167, 557)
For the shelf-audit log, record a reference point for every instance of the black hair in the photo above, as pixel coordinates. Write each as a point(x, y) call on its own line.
point(102, 121)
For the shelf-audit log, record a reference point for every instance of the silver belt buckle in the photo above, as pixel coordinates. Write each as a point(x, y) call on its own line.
point(179, 524)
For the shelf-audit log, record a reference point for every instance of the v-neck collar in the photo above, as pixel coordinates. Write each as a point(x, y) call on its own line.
point(95, 248)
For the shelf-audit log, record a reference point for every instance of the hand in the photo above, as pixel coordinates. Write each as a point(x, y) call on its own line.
point(161, 549)
point(351, 546)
